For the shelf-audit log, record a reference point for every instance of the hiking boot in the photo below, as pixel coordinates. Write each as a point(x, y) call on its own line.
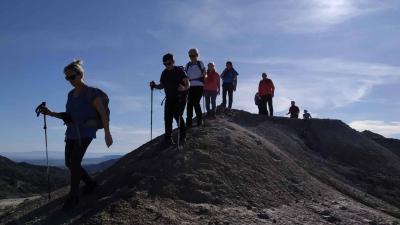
point(90, 188)
point(70, 203)
point(188, 124)
point(182, 141)
point(213, 115)
point(168, 142)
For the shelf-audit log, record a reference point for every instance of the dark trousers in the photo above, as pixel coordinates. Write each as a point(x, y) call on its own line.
point(211, 97)
point(173, 109)
point(266, 99)
point(227, 88)
point(194, 98)
point(74, 152)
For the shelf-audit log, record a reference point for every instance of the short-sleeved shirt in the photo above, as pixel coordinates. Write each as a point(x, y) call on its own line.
point(229, 75)
point(194, 73)
point(171, 79)
point(80, 109)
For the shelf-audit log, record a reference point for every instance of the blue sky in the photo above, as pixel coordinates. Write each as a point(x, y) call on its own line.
point(338, 59)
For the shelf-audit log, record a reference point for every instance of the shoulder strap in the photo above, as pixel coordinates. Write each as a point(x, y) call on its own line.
point(201, 68)
point(187, 67)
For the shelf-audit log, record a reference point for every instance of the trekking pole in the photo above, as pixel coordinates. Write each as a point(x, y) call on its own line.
point(179, 120)
point(151, 116)
point(38, 110)
point(204, 108)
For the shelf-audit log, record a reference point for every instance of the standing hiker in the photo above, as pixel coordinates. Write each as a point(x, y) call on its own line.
point(175, 84)
point(196, 72)
point(293, 111)
point(229, 78)
point(86, 111)
point(306, 115)
point(266, 90)
point(211, 89)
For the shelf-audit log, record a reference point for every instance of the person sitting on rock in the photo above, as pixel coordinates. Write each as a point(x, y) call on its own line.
point(306, 115)
point(293, 111)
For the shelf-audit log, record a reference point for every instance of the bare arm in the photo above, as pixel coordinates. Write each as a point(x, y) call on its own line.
point(185, 86)
point(46, 111)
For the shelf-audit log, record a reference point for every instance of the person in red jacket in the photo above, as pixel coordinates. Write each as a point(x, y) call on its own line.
point(266, 91)
point(211, 89)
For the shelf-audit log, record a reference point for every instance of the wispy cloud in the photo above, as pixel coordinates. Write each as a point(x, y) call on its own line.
point(315, 83)
point(221, 19)
point(389, 129)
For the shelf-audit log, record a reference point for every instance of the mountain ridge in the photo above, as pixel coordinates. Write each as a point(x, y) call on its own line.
point(243, 169)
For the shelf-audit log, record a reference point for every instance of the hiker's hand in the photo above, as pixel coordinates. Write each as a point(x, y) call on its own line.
point(45, 111)
point(108, 139)
point(152, 85)
point(181, 88)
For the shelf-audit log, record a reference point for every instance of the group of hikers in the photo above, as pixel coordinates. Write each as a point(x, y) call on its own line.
point(263, 98)
point(87, 109)
point(188, 85)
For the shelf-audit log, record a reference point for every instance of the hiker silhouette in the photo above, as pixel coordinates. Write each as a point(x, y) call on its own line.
point(266, 90)
point(229, 83)
point(86, 112)
point(196, 72)
point(211, 89)
point(175, 83)
point(293, 110)
point(306, 115)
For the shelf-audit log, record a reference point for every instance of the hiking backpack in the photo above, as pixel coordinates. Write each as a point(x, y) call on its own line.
point(201, 79)
point(105, 100)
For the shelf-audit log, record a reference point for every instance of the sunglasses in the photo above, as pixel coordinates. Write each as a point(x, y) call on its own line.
point(167, 63)
point(69, 78)
point(192, 56)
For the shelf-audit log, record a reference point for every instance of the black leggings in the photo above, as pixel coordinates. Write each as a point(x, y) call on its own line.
point(173, 109)
point(227, 88)
point(74, 152)
point(266, 99)
point(195, 94)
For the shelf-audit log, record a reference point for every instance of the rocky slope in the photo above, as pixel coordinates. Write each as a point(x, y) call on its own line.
point(242, 169)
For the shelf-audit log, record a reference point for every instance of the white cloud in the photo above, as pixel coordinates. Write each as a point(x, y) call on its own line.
point(219, 19)
point(314, 83)
point(388, 129)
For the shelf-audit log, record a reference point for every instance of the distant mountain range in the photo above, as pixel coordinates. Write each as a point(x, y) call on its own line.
point(23, 180)
point(55, 158)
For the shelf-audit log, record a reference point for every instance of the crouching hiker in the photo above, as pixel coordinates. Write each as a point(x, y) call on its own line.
point(211, 89)
point(306, 115)
point(175, 84)
point(86, 112)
